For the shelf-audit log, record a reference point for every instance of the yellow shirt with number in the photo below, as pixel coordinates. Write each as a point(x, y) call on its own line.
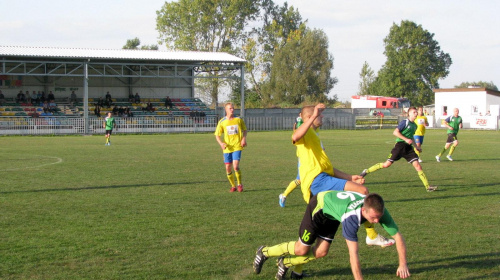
point(233, 133)
point(421, 121)
point(313, 161)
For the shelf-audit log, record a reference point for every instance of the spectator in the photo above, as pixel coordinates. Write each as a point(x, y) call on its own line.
point(20, 97)
point(43, 97)
point(34, 98)
point(2, 99)
point(131, 98)
point(115, 110)
point(121, 111)
point(168, 102)
point(137, 98)
point(108, 96)
point(150, 107)
point(97, 111)
point(100, 102)
point(72, 98)
point(144, 106)
point(51, 96)
point(35, 115)
point(52, 106)
point(28, 97)
point(45, 106)
point(129, 113)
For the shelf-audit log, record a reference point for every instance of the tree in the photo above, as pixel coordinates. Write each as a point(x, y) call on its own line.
point(276, 23)
point(301, 69)
point(133, 44)
point(481, 84)
point(414, 64)
point(367, 77)
point(206, 25)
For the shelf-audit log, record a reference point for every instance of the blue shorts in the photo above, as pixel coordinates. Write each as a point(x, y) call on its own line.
point(418, 139)
point(324, 182)
point(298, 171)
point(230, 157)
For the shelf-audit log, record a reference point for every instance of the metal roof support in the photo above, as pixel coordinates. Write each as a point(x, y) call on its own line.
point(86, 97)
point(242, 89)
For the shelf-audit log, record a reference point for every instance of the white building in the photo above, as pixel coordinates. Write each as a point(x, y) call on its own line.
point(479, 107)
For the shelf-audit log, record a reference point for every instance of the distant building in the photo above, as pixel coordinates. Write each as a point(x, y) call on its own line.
point(479, 107)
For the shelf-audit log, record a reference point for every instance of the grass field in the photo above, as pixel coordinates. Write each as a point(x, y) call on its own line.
point(158, 207)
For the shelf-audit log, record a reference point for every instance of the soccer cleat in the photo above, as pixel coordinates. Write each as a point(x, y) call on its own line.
point(419, 160)
point(432, 188)
point(449, 158)
point(282, 200)
point(233, 189)
point(282, 269)
point(438, 159)
point(240, 188)
point(380, 241)
point(363, 174)
point(259, 260)
point(295, 275)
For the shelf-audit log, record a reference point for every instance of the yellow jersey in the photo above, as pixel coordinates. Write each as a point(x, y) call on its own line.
point(421, 122)
point(313, 161)
point(233, 133)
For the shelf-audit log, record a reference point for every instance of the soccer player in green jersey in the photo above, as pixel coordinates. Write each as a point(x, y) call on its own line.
point(324, 214)
point(404, 147)
point(235, 139)
point(453, 123)
point(109, 124)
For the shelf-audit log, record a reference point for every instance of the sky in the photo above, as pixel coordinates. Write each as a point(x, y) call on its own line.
point(465, 29)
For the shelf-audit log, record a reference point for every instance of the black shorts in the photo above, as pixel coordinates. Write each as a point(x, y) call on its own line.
point(109, 132)
point(452, 137)
point(316, 226)
point(402, 150)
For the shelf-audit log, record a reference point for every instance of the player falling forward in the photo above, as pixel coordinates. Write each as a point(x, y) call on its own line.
point(453, 123)
point(109, 124)
point(324, 214)
point(404, 147)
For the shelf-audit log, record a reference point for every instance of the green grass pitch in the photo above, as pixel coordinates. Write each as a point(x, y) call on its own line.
point(159, 207)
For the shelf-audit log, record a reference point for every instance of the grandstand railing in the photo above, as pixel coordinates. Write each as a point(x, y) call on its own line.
point(53, 125)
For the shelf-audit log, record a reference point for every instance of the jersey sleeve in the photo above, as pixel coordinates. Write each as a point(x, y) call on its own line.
point(243, 125)
point(388, 223)
point(350, 226)
point(448, 119)
point(218, 129)
point(402, 125)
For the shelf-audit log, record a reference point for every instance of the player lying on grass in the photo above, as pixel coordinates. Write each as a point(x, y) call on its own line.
point(324, 214)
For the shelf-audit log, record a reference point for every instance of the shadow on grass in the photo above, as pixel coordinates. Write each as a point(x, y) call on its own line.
point(473, 262)
point(102, 187)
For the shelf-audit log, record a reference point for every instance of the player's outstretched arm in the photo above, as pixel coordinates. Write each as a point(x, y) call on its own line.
point(403, 271)
point(354, 259)
point(302, 130)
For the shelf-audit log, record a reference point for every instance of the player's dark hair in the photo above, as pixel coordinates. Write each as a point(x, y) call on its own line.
point(375, 202)
point(412, 108)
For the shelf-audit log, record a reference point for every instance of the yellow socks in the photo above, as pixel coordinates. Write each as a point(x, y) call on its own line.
point(293, 184)
point(370, 230)
point(375, 167)
point(441, 153)
point(280, 249)
point(422, 176)
point(417, 152)
point(238, 176)
point(231, 179)
point(289, 261)
point(452, 149)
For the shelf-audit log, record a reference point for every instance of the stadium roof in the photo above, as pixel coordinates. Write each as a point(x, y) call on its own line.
point(121, 54)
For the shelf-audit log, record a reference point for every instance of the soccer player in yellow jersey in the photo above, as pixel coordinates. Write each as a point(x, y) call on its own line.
point(317, 173)
point(235, 139)
point(421, 122)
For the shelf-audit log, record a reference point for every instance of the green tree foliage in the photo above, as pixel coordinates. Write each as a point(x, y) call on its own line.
point(206, 25)
point(275, 24)
point(414, 64)
point(133, 44)
point(367, 76)
point(481, 84)
point(301, 70)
